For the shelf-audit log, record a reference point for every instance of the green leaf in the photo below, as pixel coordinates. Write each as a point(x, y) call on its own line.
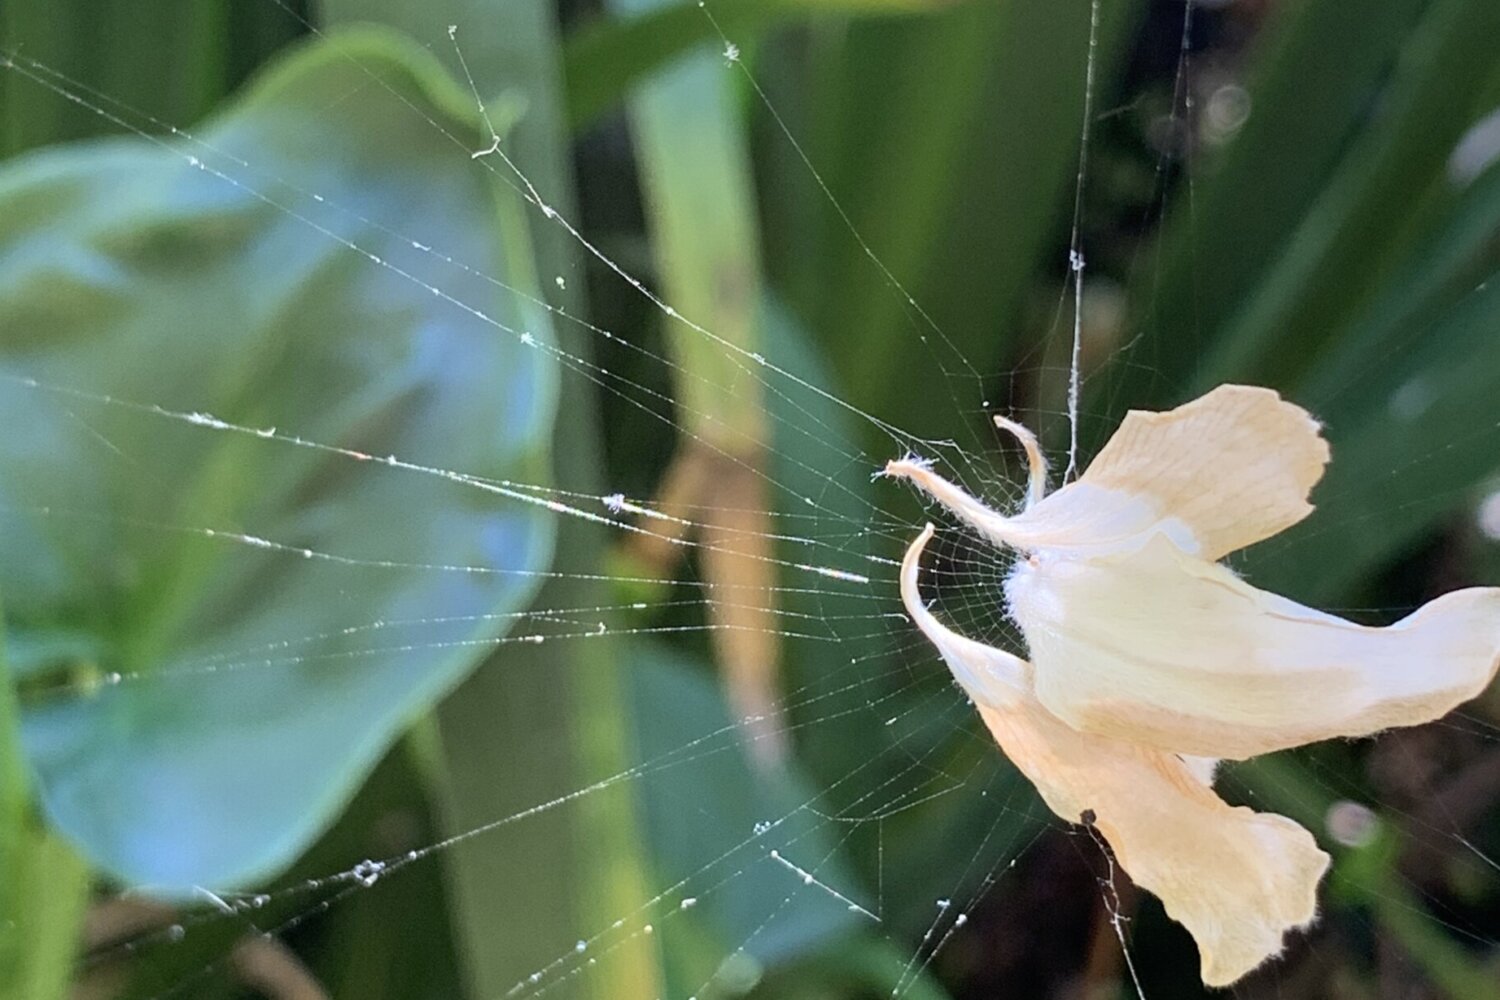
point(603, 59)
point(713, 822)
point(101, 47)
point(880, 725)
point(694, 161)
point(960, 179)
point(1410, 442)
point(544, 721)
point(1247, 199)
point(1341, 251)
point(858, 966)
point(223, 278)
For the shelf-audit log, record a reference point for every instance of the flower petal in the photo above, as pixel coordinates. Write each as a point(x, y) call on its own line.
point(1237, 879)
point(988, 675)
point(1234, 465)
point(1158, 647)
point(1227, 469)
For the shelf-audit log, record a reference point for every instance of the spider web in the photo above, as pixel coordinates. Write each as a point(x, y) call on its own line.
point(837, 592)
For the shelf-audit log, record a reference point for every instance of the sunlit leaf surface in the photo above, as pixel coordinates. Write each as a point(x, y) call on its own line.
point(232, 711)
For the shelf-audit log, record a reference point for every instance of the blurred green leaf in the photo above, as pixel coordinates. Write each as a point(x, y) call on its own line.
point(713, 822)
point(1330, 251)
point(46, 893)
point(952, 143)
point(1247, 199)
point(541, 722)
point(1410, 443)
point(1457, 253)
point(171, 60)
point(1340, 251)
point(859, 966)
point(694, 161)
point(604, 58)
point(879, 723)
point(179, 277)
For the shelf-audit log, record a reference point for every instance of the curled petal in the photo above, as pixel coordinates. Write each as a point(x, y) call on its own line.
point(1158, 647)
point(1237, 879)
point(1227, 469)
point(990, 676)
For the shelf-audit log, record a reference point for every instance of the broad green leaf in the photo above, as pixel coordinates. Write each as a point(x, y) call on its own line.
point(713, 822)
point(272, 275)
point(544, 721)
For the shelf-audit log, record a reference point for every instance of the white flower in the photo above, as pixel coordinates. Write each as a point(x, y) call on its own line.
point(1149, 661)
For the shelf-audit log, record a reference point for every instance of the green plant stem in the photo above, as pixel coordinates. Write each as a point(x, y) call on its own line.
point(43, 884)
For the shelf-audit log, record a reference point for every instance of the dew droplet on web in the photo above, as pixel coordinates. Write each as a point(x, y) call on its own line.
point(367, 872)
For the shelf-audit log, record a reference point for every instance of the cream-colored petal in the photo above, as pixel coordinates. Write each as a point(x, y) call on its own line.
point(1230, 468)
point(989, 523)
point(1238, 880)
point(1158, 647)
point(1227, 469)
point(989, 676)
point(1036, 462)
point(1080, 518)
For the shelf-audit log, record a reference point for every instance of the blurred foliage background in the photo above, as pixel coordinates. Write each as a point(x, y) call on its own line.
point(1299, 194)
